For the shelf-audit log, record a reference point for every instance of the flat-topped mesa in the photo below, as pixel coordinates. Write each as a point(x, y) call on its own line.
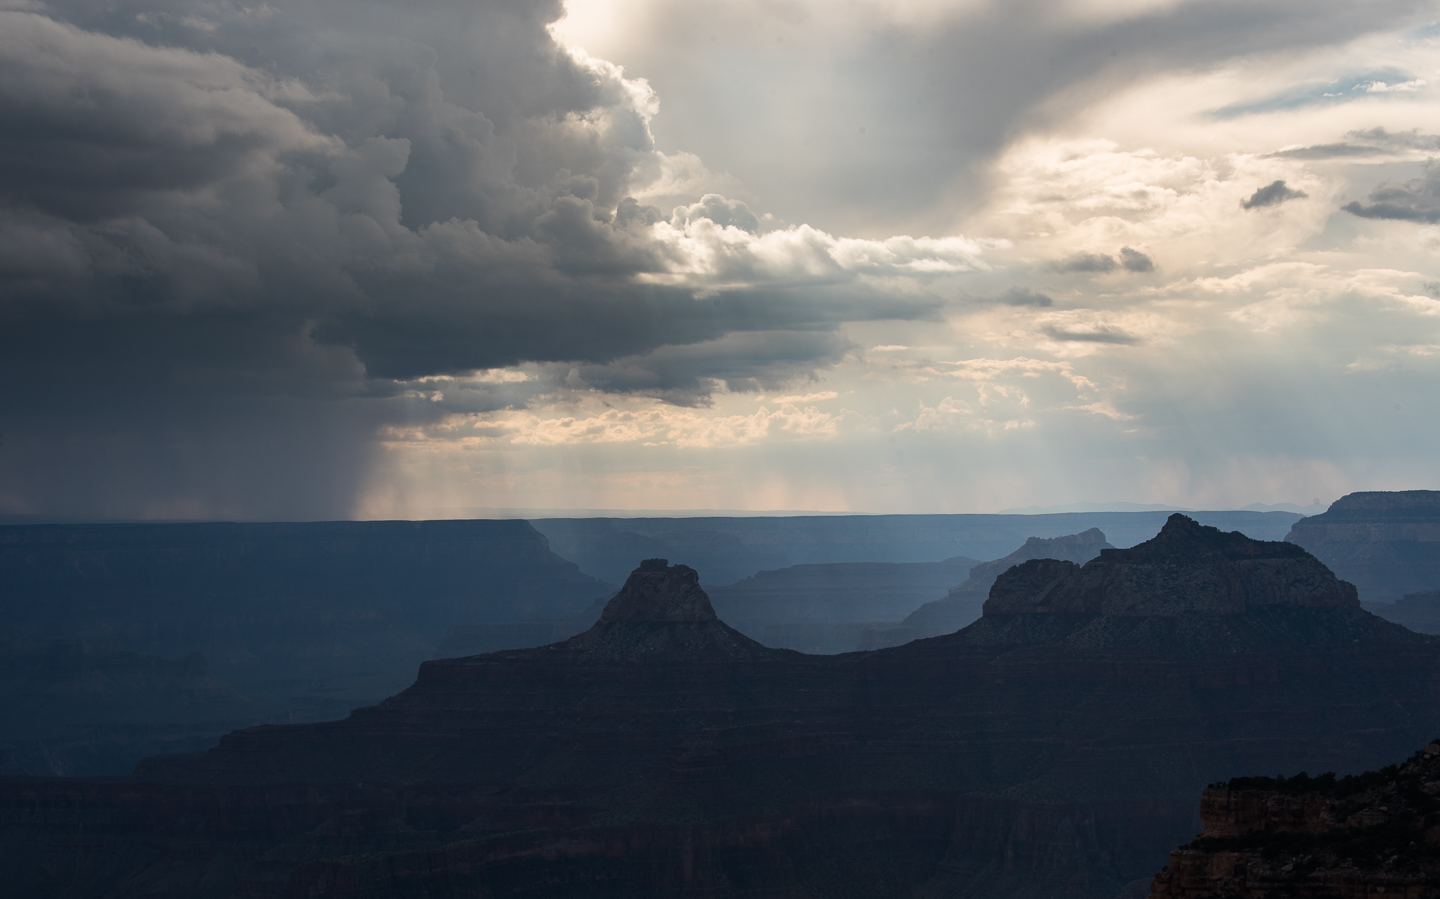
point(1386, 544)
point(1393, 505)
point(661, 613)
point(657, 591)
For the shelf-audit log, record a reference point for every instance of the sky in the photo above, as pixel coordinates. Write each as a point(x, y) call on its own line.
point(323, 259)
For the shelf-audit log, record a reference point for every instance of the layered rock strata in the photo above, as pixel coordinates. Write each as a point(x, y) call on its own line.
point(1369, 835)
point(1386, 543)
point(1055, 747)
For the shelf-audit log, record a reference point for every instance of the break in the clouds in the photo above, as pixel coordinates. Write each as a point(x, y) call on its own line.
point(319, 259)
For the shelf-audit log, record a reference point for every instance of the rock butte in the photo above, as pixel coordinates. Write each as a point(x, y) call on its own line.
point(1053, 747)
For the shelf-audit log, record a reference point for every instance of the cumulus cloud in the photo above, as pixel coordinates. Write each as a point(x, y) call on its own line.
point(265, 212)
point(1272, 194)
point(239, 241)
point(1416, 200)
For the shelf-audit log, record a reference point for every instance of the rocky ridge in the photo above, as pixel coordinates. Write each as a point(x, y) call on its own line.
point(1190, 589)
point(1373, 834)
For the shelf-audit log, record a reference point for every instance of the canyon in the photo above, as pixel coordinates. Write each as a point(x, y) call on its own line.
point(1056, 745)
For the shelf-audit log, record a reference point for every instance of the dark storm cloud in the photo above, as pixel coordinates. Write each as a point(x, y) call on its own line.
point(1024, 296)
point(1132, 260)
point(1417, 200)
point(240, 233)
point(741, 362)
point(1272, 194)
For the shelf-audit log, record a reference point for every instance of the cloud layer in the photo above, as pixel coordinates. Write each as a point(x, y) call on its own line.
point(265, 212)
point(315, 259)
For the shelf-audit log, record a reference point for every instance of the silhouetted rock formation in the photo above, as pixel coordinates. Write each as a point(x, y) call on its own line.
point(1386, 544)
point(1373, 834)
point(1053, 748)
point(661, 612)
point(826, 607)
point(962, 604)
point(314, 617)
point(75, 708)
point(1192, 588)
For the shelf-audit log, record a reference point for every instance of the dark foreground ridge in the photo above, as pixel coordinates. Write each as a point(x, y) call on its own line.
point(1374, 834)
point(1055, 747)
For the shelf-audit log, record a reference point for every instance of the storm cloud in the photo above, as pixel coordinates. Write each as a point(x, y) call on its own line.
point(247, 250)
point(252, 227)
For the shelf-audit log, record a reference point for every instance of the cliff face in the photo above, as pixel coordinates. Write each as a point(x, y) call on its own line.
point(663, 754)
point(1372, 834)
point(1387, 544)
point(964, 602)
